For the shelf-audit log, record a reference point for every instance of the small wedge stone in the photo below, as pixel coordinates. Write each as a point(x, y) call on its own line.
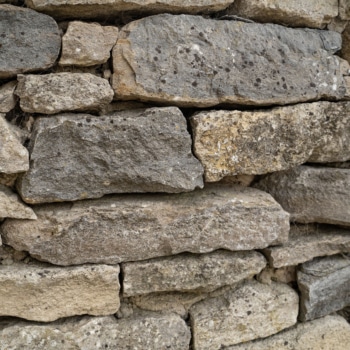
point(7, 97)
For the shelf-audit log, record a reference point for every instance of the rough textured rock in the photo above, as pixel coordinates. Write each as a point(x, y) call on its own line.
point(12, 207)
point(114, 228)
point(7, 96)
point(337, 25)
point(287, 274)
point(130, 151)
point(258, 142)
point(201, 273)
point(232, 62)
point(30, 41)
point(324, 284)
point(330, 332)
point(345, 51)
point(45, 293)
point(250, 311)
point(312, 194)
point(344, 9)
point(8, 179)
point(312, 13)
point(102, 8)
point(307, 242)
point(54, 93)
point(14, 158)
point(87, 44)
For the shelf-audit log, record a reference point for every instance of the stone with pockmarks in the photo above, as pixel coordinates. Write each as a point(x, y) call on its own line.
point(115, 228)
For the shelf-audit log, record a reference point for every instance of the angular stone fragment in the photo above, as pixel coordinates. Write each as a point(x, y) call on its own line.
point(224, 62)
point(7, 97)
point(330, 332)
point(87, 44)
point(151, 332)
point(344, 9)
point(14, 158)
point(200, 273)
point(257, 142)
point(324, 284)
point(41, 292)
point(29, 42)
point(103, 8)
point(250, 311)
point(312, 13)
point(8, 179)
point(312, 194)
point(78, 156)
point(115, 228)
point(287, 274)
point(54, 93)
point(345, 51)
point(307, 242)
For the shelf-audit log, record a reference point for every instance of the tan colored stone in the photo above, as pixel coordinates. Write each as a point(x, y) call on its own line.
point(345, 51)
point(250, 311)
point(337, 25)
point(185, 272)
point(286, 274)
point(344, 9)
point(7, 96)
point(44, 293)
point(54, 93)
point(8, 179)
point(87, 44)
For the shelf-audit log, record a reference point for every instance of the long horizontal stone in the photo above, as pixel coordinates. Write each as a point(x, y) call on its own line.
point(30, 41)
point(307, 242)
point(252, 310)
point(45, 293)
point(324, 285)
point(330, 332)
point(78, 156)
point(132, 228)
point(224, 62)
point(258, 142)
point(184, 273)
point(312, 194)
point(7, 97)
point(151, 332)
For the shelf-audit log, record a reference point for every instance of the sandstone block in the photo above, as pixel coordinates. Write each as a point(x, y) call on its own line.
point(324, 284)
point(312, 194)
point(201, 273)
point(129, 151)
point(313, 13)
point(330, 332)
point(344, 9)
point(307, 242)
point(54, 93)
point(30, 41)
point(7, 97)
point(132, 228)
point(250, 311)
point(224, 62)
point(87, 44)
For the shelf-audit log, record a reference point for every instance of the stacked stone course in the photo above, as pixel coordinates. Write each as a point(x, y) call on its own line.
point(174, 174)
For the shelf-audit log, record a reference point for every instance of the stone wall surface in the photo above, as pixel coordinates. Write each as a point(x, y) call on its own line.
point(116, 119)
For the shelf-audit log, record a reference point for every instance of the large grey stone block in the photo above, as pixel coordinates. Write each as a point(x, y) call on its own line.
point(139, 227)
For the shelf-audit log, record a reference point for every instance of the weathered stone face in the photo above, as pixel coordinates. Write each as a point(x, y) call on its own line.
point(248, 312)
point(224, 62)
point(30, 41)
point(87, 44)
point(7, 97)
point(114, 229)
point(344, 9)
point(45, 293)
point(324, 284)
point(130, 151)
point(312, 194)
point(345, 51)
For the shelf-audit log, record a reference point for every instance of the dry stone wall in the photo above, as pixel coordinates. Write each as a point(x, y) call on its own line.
point(174, 174)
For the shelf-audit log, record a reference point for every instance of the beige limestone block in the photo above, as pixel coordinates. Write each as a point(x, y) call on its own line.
point(344, 9)
point(327, 333)
point(87, 44)
point(41, 292)
point(139, 227)
point(7, 97)
point(250, 311)
point(54, 93)
point(185, 272)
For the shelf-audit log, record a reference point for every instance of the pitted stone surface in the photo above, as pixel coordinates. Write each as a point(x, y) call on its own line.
point(7, 96)
point(201, 62)
point(115, 228)
point(78, 156)
point(30, 41)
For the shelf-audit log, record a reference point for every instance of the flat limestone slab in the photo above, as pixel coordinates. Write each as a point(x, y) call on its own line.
point(324, 284)
point(45, 293)
point(188, 272)
point(139, 227)
point(78, 156)
point(201, 62)
point(312, 194)
point(252, 310)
